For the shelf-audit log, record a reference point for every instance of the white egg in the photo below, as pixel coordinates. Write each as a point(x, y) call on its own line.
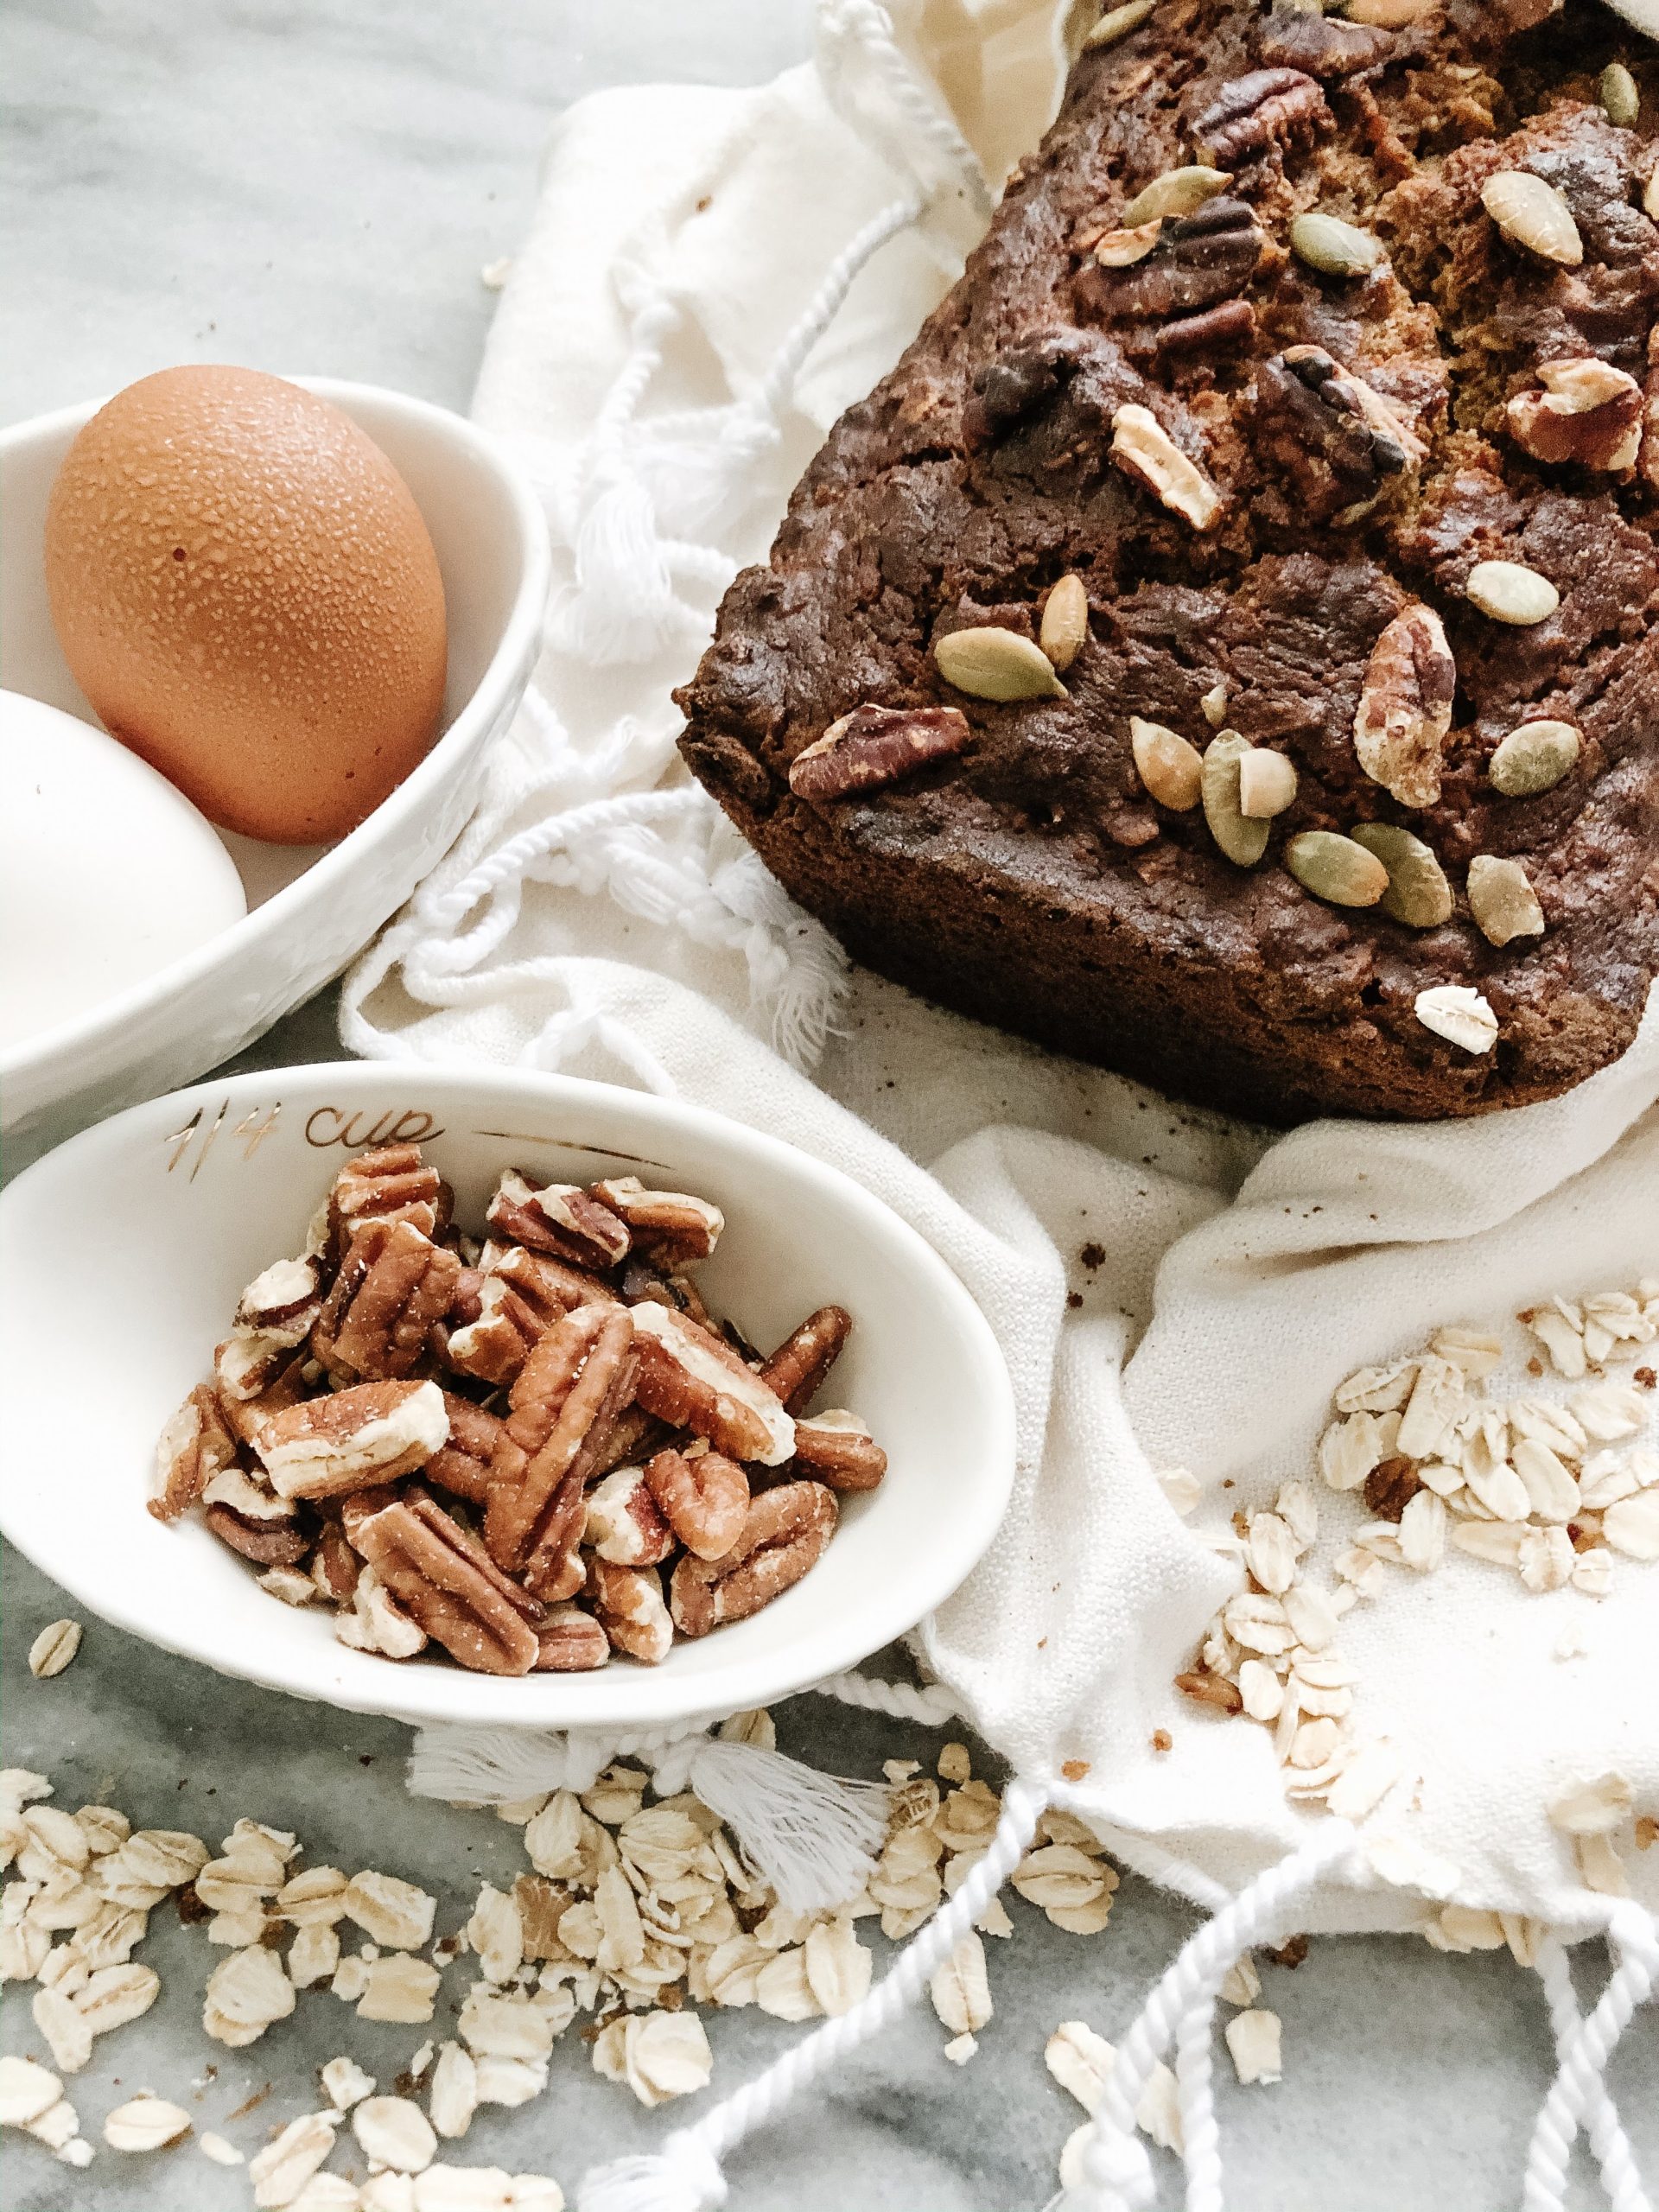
point(107, 874)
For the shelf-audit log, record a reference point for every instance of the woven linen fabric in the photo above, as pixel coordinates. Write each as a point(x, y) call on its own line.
point(708, 279)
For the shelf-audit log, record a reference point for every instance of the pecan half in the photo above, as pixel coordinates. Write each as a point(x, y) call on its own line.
point(1144, 450)
point(1405, 707)
point(463, 1465)
point(690, 1379)
point(494, 1345)
point(447, 1582)
point(1196, 261)
point(371, 1434)
point(628, 1601)
point(394, 1286)
point(785, 1532)
point(1320, 46)
point(836, 1448)
point(669, 1227)
point(392, 1183)
point(562, 1219)
point(266, 1543)
point(246, 1366)
point(570, 1642)
point(247, 1416)
point(703, 1496)
point(336, 1566)
point(1329, 432)
point(1588, 412)
point(193, 1448)
point(562, 1405)
point(281, 1304)
point(1263, 109)
point(875, 746)
point(625, 1526)
point(797, 1369)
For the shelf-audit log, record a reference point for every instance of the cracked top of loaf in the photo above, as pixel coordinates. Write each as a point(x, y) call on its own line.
point(1317, 350)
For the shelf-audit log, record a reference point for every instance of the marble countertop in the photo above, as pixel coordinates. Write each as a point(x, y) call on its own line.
point(316, 185)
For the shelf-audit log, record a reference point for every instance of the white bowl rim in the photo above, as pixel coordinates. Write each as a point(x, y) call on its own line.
point(520, 633)
point(630, 1696)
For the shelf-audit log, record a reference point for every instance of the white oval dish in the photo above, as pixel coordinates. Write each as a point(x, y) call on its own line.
point(124, 1252)
point(310, 909)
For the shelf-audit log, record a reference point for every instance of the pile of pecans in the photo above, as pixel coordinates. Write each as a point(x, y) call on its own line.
point(1555, 1488)
point(531, 1452)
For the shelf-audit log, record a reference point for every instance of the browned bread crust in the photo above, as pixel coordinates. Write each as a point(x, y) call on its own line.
point(1019, 869)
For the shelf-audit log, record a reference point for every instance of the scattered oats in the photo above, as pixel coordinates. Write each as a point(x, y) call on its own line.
point(1459, 1014)
point(616, 1796)
point(1521, 1935)
point(145, 2123)
point(1158, 2112)
point(76, 2153)
point(345, 2083)
point(281, 2171)
point(1632, 1526)
point(399, 1988)
point(1545, 1558)
point(1469, 1928)
point(394, 2131)
point(19, 1787)
point(313, 1956)
point(1080, 2061)
point(245, 1993)
point(1477, 1352)
point(390, 1912)
point(68, 2036)
point(26, 2091)
point(1593, 1574)
point(960, 2049)
point(453, 2097)
point(553, 1838)
point(503, 2027)
point(1240, 1984)
point(1253, 2039)
point(1270, 1553)
point(838, 1966)
point(1601, 1866)
point(534, 2193)
point(955, 1763)
point(665, 2054)
point(58, 2125)
point(1182, 1489)
point(389, 2192)
point(959, 1988)
point(221, 2152)
point(510, 2081)
point(496, 1933)
point(783, 1988)
point(1407, 1865)
point(1594, 1808)
point(1498, 1541)
point(53, 1648)
point(327, 2193)
point(1311, 1616)
point(1350, 1449)
point(1261, 1690)
point(1422, 1532)
point(1366, 1781)
point(756, 1726)
point(316, 1899)
point(1560, 1330)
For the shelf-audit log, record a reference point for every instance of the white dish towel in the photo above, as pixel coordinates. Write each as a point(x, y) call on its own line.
point(710, 277)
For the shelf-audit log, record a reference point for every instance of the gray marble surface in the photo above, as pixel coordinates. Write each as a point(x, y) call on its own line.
point(315, 185)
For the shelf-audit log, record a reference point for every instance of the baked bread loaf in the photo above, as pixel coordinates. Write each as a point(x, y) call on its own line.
point(1225, 647)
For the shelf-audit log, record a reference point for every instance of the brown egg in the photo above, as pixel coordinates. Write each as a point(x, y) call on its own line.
point(243, 587)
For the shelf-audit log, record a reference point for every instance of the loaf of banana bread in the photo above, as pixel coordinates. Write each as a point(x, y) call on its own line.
point(1226, 647)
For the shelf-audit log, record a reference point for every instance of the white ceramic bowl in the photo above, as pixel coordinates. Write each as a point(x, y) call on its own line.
point(310, 908)
point(124, 1253)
